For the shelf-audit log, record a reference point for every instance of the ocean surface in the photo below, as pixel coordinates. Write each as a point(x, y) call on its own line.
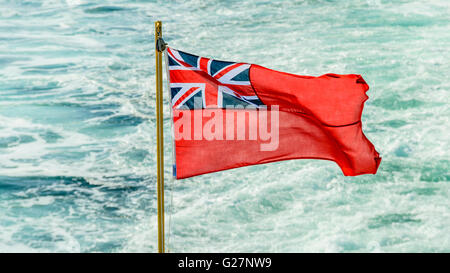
point(77, 128)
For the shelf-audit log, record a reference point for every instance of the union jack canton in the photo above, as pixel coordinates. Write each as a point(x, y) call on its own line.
point(198, 82)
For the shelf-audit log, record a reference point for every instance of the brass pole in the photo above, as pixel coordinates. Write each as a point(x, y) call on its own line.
point(160, 137)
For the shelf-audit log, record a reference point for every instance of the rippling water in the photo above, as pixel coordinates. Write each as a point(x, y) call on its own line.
point(77, 127)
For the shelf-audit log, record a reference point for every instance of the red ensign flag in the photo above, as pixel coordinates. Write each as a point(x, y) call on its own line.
point(228, 115)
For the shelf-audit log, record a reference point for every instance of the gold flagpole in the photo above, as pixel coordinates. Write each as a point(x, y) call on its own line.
point(159, 48)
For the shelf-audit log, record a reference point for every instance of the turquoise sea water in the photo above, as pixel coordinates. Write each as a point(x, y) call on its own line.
point(77, 128)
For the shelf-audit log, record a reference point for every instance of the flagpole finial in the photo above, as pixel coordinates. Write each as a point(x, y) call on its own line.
point(158, 26)
point(160, 43)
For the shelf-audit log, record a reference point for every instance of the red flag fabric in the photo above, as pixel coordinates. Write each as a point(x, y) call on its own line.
point(228, 115)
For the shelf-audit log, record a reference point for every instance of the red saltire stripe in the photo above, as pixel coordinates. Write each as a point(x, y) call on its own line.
point(185, 95)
